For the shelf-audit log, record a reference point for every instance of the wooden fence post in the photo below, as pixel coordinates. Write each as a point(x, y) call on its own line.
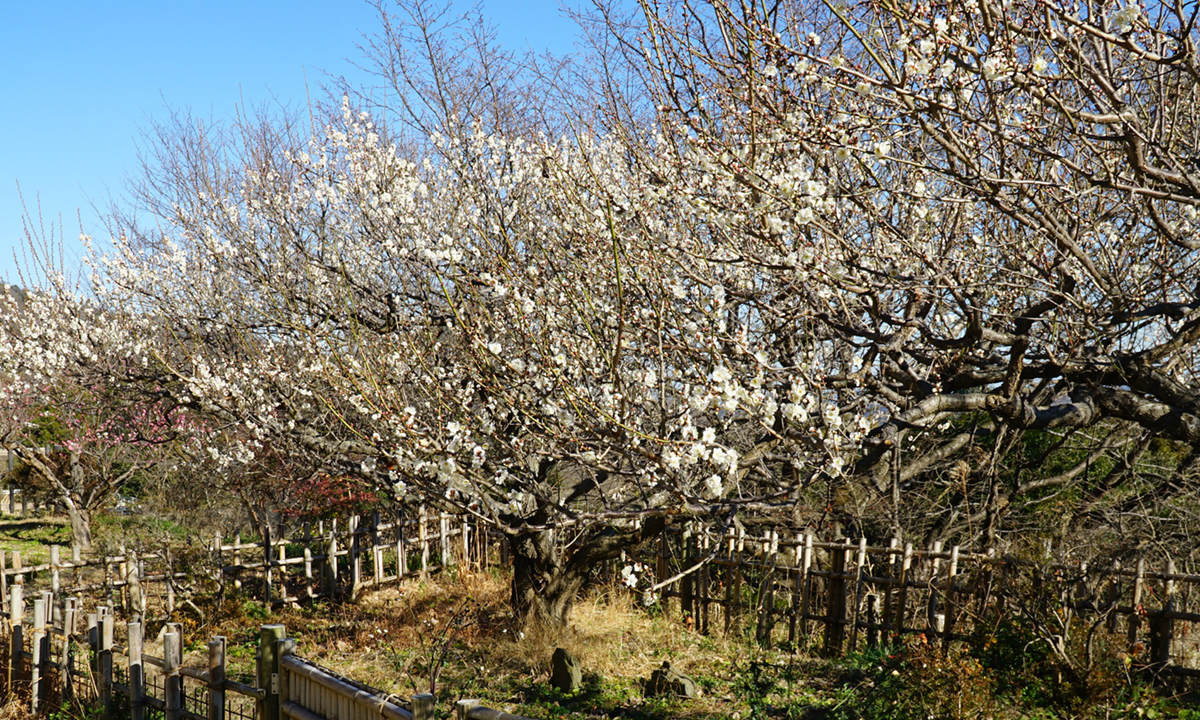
point(1136, 609)
point(951, 603)
point(38, 651)
point(687, 608)
point(860, 573)
point(466, 544)
point(806, 559)
point(70, 618)
point(216, 678)
point(16, 639)
point(901, 597)
point(355, 558)
point(137, 672)
point(444, 538)
point(268, 669)
point(104, 658)
point(401, 549)
point(331, 561)
point(462, 707)
point(54, 568)
point(423, 536)
point(835, 601)
point(661, 570)
point(732, 587)
point(308, 574)
point(376, 550)
point(1162, 625)
point(422, 707)
point(172, 680)
point(704, 580)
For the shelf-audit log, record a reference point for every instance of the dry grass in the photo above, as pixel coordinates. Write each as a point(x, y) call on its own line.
point(457, 629)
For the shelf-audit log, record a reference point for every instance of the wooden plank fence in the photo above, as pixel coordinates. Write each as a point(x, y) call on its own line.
point(46, 665)
point(839, 596)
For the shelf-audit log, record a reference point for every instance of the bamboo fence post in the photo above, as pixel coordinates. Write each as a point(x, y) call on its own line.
point(54, 569)
point(466, 543)
point(137, 673)
point(860, 562)
point(216, 678)
point(730, 570)
point(16, 639)
point(766, 622)
point(122, 581)
point(423, 535)
point(462, 707)
point(355, 558)
point(376, 549)
point(331, 561)
point(104, 657)
point(934, 619)
point(237, 561)
point(796, 575)
point(705, 584)
point(901, 596)
point(835, 600)
point(137, 597)
point(401, 550)
point(951, 603)
point(39, 660)
point(889, 593)
point(806, 559)
point(3, 579)
point(686, 596)
point(268, 562)
point(661, 569)
point(1136, 608)
point(172, 681)
point(18, 568)
point(1162, 626)
point(70, 618)
point(444, 538)
point(308, 562)
point(281, 561)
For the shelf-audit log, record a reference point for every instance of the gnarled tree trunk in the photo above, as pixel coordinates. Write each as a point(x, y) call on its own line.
point(547, 579)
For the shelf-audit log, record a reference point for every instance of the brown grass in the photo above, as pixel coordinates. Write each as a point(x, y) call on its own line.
point(394, 638)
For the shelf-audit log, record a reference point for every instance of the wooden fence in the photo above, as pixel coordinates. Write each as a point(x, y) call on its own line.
point(325, 559)
point(835, 596)
point(843, 595)
point(47, 663)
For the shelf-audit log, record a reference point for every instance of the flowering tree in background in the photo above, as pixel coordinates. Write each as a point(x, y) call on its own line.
point(75, 414)
point(905, 269)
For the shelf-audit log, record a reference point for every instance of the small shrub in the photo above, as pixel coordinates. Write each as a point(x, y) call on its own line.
point(918, 682)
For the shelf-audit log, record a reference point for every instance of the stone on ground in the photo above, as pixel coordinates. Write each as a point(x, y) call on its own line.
point(565, 674)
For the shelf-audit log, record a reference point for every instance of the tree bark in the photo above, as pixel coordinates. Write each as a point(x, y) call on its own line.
point(547, 579)
point(68, 493)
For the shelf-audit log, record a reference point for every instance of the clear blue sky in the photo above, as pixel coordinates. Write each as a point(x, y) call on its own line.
point(79, 79)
